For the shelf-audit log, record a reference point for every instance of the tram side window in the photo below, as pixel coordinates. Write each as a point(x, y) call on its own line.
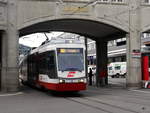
point(42, 64)
point(51, 64)
point(32, 68)
point(47, 64)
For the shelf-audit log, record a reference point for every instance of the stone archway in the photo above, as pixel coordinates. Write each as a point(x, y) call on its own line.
point(98, 31)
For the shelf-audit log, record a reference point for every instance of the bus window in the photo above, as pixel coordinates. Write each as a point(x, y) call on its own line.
point(117, 67)
point(109, 68)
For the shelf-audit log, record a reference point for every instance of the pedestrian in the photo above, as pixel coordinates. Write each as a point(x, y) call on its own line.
point(90, 77)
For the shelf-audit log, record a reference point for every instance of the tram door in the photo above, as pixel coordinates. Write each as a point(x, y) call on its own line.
point(146, 67)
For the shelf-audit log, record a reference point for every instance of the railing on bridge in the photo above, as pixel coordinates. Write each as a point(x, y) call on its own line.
point(113, 1)
point(98, 1)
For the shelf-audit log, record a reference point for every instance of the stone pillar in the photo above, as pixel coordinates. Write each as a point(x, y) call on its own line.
point(10, 75)
point(86, 64)
point(4, 61)
point(134, 47)
point(0, 58)
point(101, 63)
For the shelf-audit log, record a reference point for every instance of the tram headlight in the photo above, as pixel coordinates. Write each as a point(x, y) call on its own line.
point(81, 80)
point(61, 81)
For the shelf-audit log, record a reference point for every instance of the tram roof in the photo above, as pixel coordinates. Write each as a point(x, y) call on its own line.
point(51, 45)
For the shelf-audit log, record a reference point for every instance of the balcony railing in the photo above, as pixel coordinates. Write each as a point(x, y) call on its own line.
point(98, 1)
point(118, 1)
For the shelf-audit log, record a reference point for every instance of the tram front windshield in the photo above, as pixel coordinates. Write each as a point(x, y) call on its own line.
point(70, 59)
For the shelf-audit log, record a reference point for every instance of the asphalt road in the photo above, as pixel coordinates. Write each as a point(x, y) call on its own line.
point(109, 99)
point(118, 82)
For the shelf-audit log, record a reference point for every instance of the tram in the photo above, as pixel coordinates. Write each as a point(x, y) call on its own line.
point(58, 67)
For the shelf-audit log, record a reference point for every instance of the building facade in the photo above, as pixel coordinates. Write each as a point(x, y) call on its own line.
point(116, 49)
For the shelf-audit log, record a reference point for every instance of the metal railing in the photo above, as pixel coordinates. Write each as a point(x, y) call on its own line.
point(99, 1)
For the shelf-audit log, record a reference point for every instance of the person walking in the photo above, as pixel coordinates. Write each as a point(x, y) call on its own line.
point(90, 77)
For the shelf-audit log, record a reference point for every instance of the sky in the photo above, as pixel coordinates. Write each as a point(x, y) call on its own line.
point(35, 40)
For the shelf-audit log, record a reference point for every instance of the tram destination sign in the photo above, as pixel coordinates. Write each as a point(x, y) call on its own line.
point(67, 50)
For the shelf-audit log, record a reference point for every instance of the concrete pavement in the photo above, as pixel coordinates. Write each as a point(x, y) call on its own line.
point(93, 100)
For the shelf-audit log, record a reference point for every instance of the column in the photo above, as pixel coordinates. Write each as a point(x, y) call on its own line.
point(4, 61)
point(86, 62)
point(10, 75)
point(0, 58)
point(134, 46)
point(101, 63)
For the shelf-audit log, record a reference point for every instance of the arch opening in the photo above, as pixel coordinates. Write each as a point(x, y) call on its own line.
point(90, 29)
point(93, 29)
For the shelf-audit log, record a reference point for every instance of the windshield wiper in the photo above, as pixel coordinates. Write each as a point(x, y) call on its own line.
point(72, 69)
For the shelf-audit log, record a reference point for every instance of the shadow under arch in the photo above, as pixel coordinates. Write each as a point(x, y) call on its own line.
point(94, 29)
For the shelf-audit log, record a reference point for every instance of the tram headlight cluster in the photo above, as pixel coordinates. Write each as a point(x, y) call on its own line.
point(72, 81)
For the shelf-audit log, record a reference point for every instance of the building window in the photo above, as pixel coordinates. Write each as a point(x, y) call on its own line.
point(104, 0)
point(121, 41)
point(120, 0)
point(117, 1)
point(145, 35)
point(146, 1)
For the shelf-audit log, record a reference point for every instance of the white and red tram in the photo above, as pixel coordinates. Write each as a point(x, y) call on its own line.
point(58, 67)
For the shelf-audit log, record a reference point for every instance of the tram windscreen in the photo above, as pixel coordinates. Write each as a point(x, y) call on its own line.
point(70, 59)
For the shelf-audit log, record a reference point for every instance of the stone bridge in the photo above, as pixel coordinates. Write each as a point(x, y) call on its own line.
point(100, 20)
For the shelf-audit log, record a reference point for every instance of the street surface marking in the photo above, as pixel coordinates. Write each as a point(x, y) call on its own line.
point(141, 91)
point(111, 82)
point(14, 94)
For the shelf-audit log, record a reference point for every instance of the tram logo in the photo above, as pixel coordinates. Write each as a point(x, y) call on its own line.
point(71, 74)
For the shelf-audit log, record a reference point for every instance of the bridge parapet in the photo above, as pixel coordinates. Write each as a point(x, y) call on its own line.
point(143, 2)
point(96, 1)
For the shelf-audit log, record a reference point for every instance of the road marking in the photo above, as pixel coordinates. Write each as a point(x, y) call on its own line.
point(117, 83)
point(141, 91)
point(14, 94)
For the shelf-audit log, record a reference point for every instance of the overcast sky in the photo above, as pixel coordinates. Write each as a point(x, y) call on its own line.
point(34, 40)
